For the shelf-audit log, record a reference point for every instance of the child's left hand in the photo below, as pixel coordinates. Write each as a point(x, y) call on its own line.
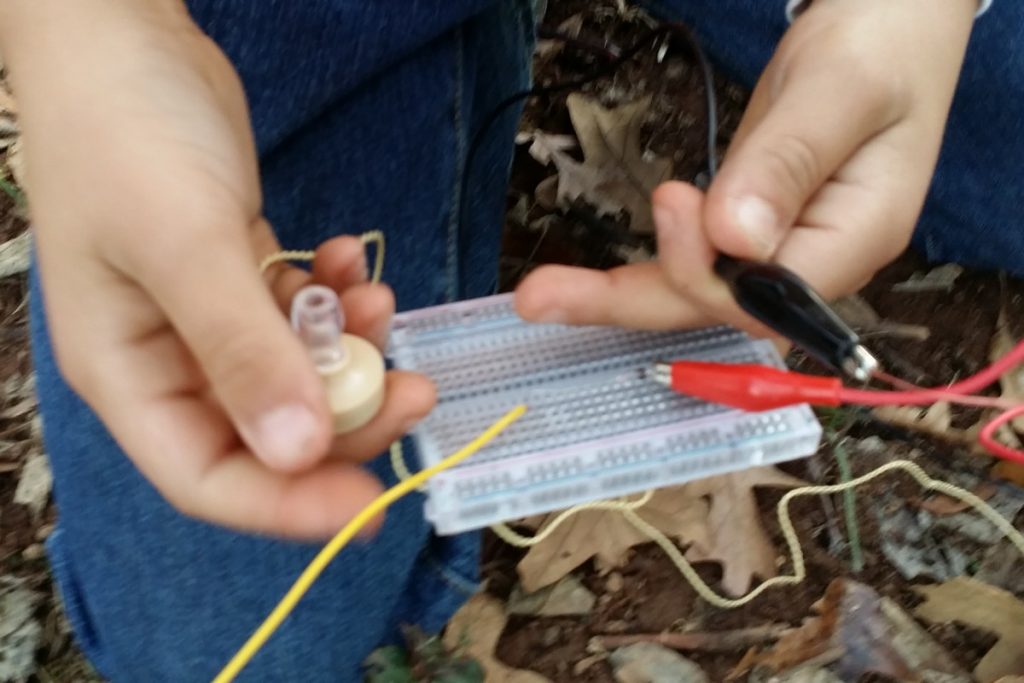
point(827, 173)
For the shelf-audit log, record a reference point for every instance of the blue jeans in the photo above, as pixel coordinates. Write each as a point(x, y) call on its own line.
point(362, 114)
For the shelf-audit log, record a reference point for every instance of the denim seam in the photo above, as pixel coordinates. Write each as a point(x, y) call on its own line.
point(459, 130)
point(450, 577)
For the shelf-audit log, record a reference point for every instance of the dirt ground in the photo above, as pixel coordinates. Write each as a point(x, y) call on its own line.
point(652, 596)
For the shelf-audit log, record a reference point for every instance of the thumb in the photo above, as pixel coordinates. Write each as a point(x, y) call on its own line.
point(257, 368)
point(811, 124)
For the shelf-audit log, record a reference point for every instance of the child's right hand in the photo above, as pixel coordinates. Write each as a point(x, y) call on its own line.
point(145, 201)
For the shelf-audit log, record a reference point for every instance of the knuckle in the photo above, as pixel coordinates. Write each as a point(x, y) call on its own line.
point(234, 360)
point(880, 89)
point(792, 161)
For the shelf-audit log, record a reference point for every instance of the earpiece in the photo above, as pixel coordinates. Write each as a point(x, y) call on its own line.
point(352, 368)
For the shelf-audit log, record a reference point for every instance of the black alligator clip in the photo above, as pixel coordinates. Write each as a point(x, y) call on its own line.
point(784, 302)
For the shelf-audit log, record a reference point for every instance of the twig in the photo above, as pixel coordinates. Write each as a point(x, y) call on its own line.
point(835, 537)
point(707, 641)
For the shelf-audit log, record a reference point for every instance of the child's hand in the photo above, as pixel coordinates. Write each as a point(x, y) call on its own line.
point(827, 173)
point(145, 198)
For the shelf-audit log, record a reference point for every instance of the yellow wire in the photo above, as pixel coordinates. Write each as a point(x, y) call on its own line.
point(370, 237)
point(329, 551)
point(629, 512)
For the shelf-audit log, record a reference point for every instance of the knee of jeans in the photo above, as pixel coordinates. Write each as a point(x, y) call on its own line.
point(72, 600)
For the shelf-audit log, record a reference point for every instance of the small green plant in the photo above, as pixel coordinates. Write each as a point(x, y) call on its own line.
point(12, 191)
point(424, 659)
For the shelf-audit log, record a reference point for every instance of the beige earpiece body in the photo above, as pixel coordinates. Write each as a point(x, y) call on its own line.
point(352, 368)
point(355, 390)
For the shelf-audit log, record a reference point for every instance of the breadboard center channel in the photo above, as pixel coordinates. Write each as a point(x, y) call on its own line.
point(595, 429)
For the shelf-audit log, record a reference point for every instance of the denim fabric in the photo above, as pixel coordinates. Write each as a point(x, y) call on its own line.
point(972, 214)
point(362, 113)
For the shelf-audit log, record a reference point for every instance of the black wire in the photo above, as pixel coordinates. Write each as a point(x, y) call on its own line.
point(667, 28)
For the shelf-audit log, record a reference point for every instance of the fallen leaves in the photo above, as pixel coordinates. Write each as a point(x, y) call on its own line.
point(651, 663)
point(34, 485)
point(15, 255)
point(977, 604)
point(935, 420)
point(615, 175)
point(568, 597)
point(939, 279)
point(10, 138)
point(476, 628)
point(921, 543)
point(606, 536)
point(716, 517)
point(860, 315)
point(737, 537)
point(20, 632)
point(856, 632)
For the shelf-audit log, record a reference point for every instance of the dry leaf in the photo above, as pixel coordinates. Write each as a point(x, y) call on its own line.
point(1011, 384)
point(546, 49)
point(943, 505)
point(607, 536)
point(8, 131)
point(934, 420)
point(15, 162)
point(477, 626)
point(15, 255)
point(20, 631)
point(940, 279)
point(1009, 471)
point(861, 633)
point(727, 531)
point(738, 540)
point(615, 175)
point(859, 315)
point(568, 597)
point(652, 663)
point(985, 607)
point(35, 482)
point(629, 254)
point(544, 145)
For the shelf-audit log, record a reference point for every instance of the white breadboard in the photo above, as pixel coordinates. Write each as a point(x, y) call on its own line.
point(594, 428)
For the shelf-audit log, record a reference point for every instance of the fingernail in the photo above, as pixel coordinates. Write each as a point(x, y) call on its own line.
point(283, 436)
point(759, 222)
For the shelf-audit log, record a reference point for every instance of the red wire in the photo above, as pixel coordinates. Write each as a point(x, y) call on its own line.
point(957, 393)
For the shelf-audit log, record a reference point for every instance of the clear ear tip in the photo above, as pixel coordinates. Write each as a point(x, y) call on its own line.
point(319, 322)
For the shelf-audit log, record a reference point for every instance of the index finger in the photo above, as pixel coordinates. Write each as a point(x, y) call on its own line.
point(636, 296)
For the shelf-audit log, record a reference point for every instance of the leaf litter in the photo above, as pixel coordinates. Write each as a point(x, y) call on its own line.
point(20, 631)
point(717, 518)
point(615, 175)
point(977, 604)
point(855, 632)
point(476, 628)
